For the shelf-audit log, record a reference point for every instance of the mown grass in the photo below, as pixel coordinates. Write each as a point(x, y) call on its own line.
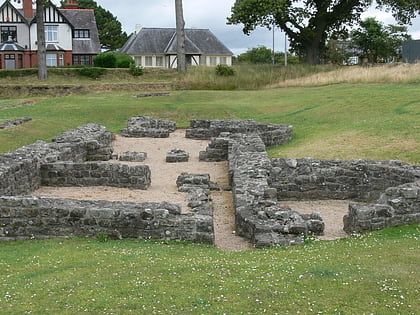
point(376, 273)
point(377, 121)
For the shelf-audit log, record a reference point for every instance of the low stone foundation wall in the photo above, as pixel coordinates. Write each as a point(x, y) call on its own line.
point(39, 217)
point(363, 180)
point(66, 174)
point(91, 142)
point(146, 126)
point(20, 169)
point(258, 217)
point(397, 206)
point(271, 134)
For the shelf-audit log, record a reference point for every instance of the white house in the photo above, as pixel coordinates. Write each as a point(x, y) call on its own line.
point(156, 47)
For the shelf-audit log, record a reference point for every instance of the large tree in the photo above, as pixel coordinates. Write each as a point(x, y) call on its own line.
point(377, 42)
point(110, 31)
point(309, 23)
point(180, 37)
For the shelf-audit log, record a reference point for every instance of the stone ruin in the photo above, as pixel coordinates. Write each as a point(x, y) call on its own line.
point(145, 126)
point(78, 157)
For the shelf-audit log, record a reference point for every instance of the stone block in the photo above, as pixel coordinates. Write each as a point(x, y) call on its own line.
point(176, 156)
point(132, 156)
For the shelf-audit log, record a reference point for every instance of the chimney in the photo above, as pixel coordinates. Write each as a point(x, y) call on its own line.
point(72, 4)
point(138, 28)
point(28, 12)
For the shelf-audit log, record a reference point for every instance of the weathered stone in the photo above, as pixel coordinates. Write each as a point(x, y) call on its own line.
point(146, 126)
point(176, 156)
point(54, 217)
point(132, 156)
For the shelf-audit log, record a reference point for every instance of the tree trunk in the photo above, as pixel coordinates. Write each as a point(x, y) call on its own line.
point(42, 62)
point(313, 53)
point(180, 36)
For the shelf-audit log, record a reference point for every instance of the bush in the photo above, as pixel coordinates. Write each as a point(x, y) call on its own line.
point(224, 71)
point(105, 60)
point(123, 60)
point(113, 59)
point(136, 71)
point(93, 73)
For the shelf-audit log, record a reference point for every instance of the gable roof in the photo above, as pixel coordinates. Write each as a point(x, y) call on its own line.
point(84, 19)
point(8, 13)
point(163, 41)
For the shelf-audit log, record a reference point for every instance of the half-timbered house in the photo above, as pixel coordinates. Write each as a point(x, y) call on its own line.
point(157, 47)
point(71, 35)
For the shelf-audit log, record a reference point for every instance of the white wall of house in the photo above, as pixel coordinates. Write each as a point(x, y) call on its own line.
point(170, 61)
point(64, 36)
point(22, 35)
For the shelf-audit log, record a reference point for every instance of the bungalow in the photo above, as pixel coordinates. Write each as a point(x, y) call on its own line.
point(71, 35)
point(156, 47)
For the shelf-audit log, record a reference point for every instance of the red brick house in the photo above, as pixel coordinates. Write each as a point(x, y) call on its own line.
point(71, 35)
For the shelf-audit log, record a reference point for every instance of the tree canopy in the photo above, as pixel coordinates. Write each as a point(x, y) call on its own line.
point(110, 31)
point(378, 42)
point(309, 23)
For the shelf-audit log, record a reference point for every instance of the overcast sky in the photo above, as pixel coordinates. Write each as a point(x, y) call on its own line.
point(212, 15)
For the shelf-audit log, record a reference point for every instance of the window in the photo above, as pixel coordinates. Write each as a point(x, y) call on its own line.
point(84, 60)
point(223, 60)
point(8, 32)
point(149, 61)
point(138, 61)
point(159, 61)
point(203, 61)
point(51, 33)
point(81, 34)
point(61, 60)
point(213, 61)
point(51, 60)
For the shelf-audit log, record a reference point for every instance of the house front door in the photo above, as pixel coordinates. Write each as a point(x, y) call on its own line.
point(10, 62)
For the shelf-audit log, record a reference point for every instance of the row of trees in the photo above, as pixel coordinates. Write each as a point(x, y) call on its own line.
point(372, 41)
point(310, 24)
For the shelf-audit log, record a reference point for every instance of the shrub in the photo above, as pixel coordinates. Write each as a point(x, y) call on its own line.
point(93, 73)
point(105, 60)
point(224, 71)
point(136, 71)
point(123, 60)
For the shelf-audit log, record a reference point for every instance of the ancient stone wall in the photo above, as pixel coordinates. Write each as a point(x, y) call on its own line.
point(146, 126)
point(40, 217)
point(257, 216)
point(363, 180)
point(91, 142)
point(67, 174)
point(61, 163)
point(20, 169)
point(271, 134)
point(396, 206)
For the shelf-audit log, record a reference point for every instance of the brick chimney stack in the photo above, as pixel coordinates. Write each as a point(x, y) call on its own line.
point(72, 4)
point(28, 12)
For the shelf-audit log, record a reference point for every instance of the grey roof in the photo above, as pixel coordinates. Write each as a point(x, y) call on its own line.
point(84, 19)
point(52, 47)
point(11, 46)
point(163, 41)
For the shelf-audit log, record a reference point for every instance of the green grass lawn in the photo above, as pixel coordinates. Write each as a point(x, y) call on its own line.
point(376, 273)
point(376, 121)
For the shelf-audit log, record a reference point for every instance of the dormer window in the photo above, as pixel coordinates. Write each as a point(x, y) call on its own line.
point(8, 33)
point(81, 34)
point(51, 33)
